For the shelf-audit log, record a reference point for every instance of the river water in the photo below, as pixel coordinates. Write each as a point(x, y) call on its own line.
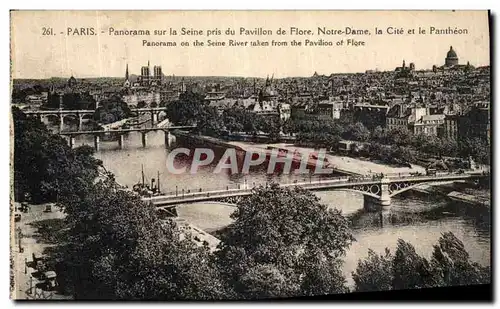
point(419, 219)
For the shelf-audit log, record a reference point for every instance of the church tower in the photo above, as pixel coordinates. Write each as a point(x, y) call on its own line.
point(126, 84)
point(183, 86)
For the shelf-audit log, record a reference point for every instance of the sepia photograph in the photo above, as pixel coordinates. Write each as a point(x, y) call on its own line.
point(250, 155)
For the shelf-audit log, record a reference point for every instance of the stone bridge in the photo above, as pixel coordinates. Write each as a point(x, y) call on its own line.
point(80, 115)
point(62, 114)
point(119, 133)
point(153, 111)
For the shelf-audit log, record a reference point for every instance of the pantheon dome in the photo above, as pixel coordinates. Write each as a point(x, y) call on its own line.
point(451, 58)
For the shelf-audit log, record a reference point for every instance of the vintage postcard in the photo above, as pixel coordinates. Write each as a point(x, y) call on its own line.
point(243, 155)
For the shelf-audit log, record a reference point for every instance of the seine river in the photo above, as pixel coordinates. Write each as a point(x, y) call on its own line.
point(419, 219)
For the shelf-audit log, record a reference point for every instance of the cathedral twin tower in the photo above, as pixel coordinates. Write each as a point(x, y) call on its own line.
point(145, 79)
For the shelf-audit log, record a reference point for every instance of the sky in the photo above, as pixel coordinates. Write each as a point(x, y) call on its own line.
point(34, 55)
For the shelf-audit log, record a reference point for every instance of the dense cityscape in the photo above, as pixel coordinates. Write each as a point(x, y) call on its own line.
point(450, 101)
point(412, 146)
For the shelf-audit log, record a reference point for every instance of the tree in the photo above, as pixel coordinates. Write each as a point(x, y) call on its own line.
point(266, 281)
point(357, 132)
point(404, 154)
point(449, 147)
point(209, 122)
point(477, 148)
point(82, 100)
point(378, 135)
point(374, 273)
point(289, 126)
point(111, 110)
point(452, 265)
point(87, 101)
point(187, 109)
point(234, 119)
point(192, 109)
point(121, 249)
point(399, 136)
point(45, 166)
point(71, 100)
point(324, 276)
point(410, 270)
point(118, 247)
point(284, 233)
point(406, 269)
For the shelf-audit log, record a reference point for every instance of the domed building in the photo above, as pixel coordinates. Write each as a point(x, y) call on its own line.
point(451, 58)
point(72, 82)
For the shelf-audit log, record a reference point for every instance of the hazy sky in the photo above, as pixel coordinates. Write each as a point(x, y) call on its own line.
point(35, 55)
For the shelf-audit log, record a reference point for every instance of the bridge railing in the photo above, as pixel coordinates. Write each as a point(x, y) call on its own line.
point(181, 194)
point(236, 189)
point(200, 194)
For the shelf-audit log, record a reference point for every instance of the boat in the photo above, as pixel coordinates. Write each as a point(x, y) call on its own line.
point(145, 189)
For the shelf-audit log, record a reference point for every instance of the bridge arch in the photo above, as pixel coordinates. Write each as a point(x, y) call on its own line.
point(405, 186)
point(87, 116)
point(223, 203)
point(70, 117)
point(52, 118)
point(358, 191)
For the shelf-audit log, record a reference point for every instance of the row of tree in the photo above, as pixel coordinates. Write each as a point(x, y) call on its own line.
point(111, 110)
point(20, 93)
point(283, 241)
point(327, 133)
point(45, 167)
point(450, 265)
point(71, 100)
point(191, 109)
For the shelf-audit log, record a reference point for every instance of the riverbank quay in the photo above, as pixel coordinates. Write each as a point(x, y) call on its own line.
point(196, 234)
point(469, 199)
point(241, 148)
point(356, 165)
point(32, 236)
point(461, 192)
point(341, 164)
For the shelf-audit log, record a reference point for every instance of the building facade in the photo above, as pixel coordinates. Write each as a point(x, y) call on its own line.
point(450, 127)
